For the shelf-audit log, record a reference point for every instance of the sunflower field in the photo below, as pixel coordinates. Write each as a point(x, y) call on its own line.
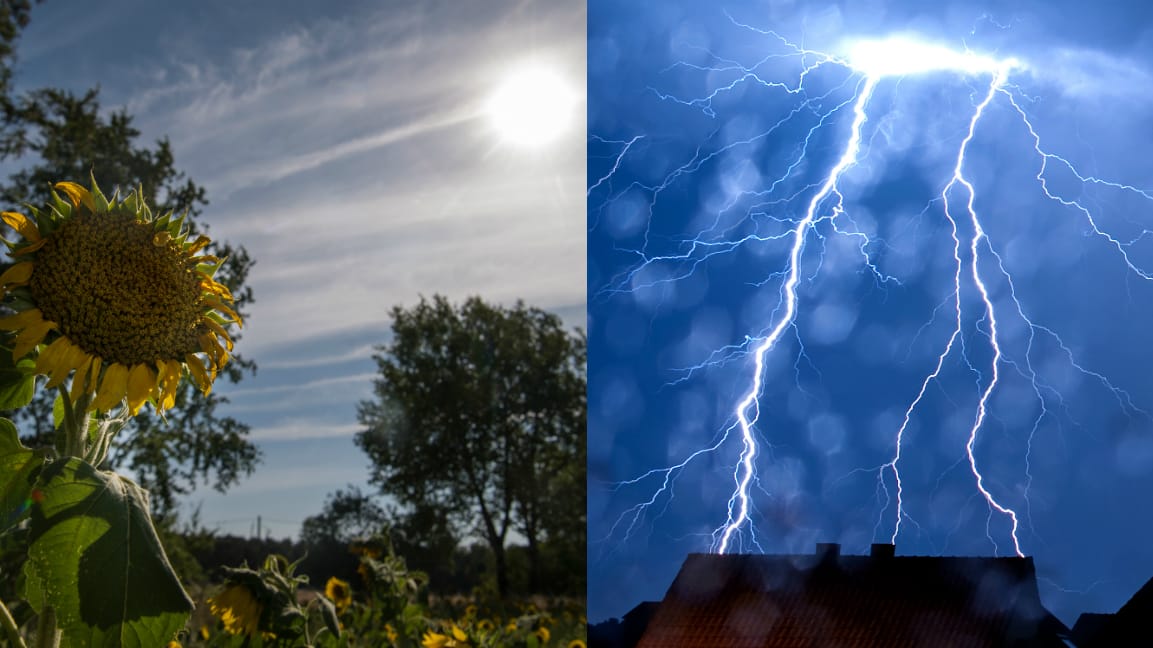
point(388, 607)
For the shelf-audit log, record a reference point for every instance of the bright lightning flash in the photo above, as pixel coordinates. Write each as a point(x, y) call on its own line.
point(903, 56)
point(975, 264)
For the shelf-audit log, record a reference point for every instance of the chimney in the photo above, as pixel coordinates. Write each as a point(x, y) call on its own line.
point(828, 550)
point(883, 550)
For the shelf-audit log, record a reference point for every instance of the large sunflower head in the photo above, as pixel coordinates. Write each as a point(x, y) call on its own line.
point(120, 299)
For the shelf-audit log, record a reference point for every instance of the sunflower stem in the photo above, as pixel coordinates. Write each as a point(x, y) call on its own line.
point(47, 634)
point(73, 436)
point(10, 627)
point(75, 424)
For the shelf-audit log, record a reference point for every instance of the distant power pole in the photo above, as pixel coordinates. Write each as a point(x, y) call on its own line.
point(257, 527)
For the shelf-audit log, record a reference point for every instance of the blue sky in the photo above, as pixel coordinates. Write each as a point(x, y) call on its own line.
point(348, 150)
point(718, 133)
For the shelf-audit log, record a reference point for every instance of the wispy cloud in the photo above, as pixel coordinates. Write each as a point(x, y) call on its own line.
point(359, 353)
point(295, 429)
point(291, 165)
point(303, 387)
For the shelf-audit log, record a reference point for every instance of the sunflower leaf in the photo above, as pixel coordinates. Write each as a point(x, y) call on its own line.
point(17, 380)
point(328, 612)
point(18, 466)
point(92, 542)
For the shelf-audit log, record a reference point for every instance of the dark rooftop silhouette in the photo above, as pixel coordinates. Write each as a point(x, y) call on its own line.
point(829, 599)
point(1129, 626)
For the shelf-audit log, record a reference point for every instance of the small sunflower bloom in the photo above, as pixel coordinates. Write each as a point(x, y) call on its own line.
point(577, 643)
point(238, 609)
point(485, 626)
point(115, 297)
point(204, 632)
point(456, 639)
point(339, 593)
point(391, 632)
point(543, 634)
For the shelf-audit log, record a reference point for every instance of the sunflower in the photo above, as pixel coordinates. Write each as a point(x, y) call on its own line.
point(339, 593)
point(458, 639)
point(577, 643)
point(237, 609)
point(117, 297)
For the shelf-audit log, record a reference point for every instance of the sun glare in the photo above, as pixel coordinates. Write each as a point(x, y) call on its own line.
point(531, 107)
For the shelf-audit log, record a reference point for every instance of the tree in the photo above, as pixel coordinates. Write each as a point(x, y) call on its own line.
point(14, 17)
point(347, 516)
point(66, 138)
point(476, 411)
point(422, 536)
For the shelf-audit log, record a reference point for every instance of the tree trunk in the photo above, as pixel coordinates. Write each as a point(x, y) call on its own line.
point(501, 571)
point(534, 564)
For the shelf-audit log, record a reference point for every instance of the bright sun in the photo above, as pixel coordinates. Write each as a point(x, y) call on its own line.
point(531, 107)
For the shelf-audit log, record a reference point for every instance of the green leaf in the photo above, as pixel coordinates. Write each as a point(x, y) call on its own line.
point(17, 381)
point(31, 590)
point(98, 561)
point(18, 466)
point(328, 611)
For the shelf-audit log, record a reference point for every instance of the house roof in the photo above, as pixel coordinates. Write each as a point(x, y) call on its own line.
point(826, 599)
point(1132, 620)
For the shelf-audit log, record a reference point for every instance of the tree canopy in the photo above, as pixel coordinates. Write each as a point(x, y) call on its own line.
point(479, 416)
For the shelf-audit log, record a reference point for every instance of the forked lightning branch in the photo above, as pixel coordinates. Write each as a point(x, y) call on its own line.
point(976, 265)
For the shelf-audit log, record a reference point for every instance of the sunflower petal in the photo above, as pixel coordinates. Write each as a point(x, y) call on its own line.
point(199, 374)
point(49, 357)
point(214, 349)
point(17, 275)
point(29, 337)
point(215, 287)
point(199, 244)
point(22, 224)
point(77, 194)
point(219, 305)
point(169, 381)
point(141, 382)
point(21, 320)
point(113, 387)
point(221, 334)
point(28, 249)
point(69, 358)
point(93, 375)
point(80, 379)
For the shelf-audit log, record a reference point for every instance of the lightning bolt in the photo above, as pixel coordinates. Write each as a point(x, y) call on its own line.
point(745, 472)
point(978, 269)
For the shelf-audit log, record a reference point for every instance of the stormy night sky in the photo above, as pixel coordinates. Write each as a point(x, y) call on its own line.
point(961, 355)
